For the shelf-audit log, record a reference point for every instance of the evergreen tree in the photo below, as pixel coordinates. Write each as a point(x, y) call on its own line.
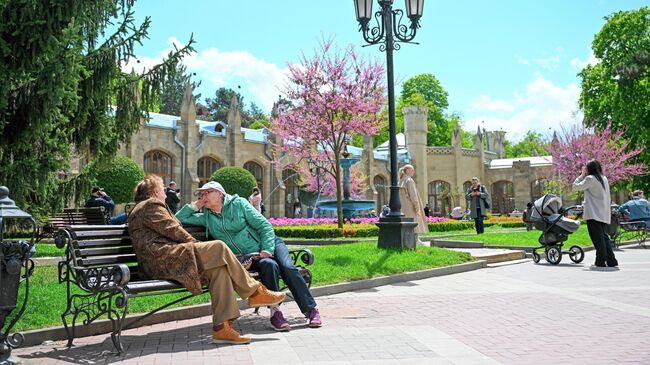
point(219, 105)
point(173, 88)
point(62, 91)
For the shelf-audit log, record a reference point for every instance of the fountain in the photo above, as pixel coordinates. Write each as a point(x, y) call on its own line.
point(349, 206)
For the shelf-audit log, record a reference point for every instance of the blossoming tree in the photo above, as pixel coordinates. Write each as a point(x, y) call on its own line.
point(335, 95)
point(574, 147)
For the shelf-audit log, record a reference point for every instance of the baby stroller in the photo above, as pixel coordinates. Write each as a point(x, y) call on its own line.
point(548, 217)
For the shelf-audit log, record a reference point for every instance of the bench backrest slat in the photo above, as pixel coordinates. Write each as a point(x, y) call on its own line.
point(107, 260)
point(122, 241)
point(112, 251)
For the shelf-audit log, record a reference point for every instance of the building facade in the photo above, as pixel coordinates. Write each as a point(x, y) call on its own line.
point(188, 151)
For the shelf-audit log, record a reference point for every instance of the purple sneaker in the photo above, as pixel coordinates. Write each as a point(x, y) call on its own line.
point(314, 318)
point(279, 323)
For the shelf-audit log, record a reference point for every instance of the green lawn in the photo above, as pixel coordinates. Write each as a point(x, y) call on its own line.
point(523, 238)
point(333, 264)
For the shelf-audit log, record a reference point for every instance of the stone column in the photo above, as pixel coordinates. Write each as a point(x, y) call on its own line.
point(415, 131)
point(233, 135)
point(188, 135)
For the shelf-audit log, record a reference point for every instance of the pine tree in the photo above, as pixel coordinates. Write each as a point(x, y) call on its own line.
point(62, 91)
point(173, 88)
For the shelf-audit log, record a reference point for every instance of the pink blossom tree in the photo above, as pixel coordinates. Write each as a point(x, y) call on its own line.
point(574, 147)
point(335, 95)
point(358, 183)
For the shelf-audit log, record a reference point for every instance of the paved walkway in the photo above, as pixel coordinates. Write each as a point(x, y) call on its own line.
point(510, 314)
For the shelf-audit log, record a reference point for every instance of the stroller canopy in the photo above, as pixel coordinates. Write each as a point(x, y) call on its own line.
point(546, 212)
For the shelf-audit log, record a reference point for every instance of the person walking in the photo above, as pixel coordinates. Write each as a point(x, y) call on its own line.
point(167, 251)
point(478, 206)
point(233, 220)
point(411, 202)
point(597, 212)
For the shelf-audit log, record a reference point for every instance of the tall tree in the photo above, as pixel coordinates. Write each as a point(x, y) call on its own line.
point(336, 94)
point(219, 105)
point(618, 87)
point(62, 90)
point(425, 89)
point(532, 143)
point(574, 147)
point(173, 88)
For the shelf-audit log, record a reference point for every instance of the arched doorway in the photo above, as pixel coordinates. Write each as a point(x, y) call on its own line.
point(206, 166)
point(159, 163)
point(257, 171)
point(466, 185)
point(503, 197)
point(290, 178)
point(439, 198)
point(537, 188)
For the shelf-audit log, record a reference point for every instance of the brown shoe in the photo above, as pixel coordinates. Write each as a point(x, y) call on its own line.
point(264, 297)
point(227, 334)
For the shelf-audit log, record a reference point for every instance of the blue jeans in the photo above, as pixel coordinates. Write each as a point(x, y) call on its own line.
point(119, 219)
point(271, 269)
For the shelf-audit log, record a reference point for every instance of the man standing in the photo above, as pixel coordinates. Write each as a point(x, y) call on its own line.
point(235, 221)
point(477, 195)
point(172, 199)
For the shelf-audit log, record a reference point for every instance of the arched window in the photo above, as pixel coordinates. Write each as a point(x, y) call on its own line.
point(159, 163)
point(503, 197)
point(382, 190)
point(290, 179)
point(257, 171)
point(206, 166)
point(439, 198)
point(466, 185)
point(537, 188)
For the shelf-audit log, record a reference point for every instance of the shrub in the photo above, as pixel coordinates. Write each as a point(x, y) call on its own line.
point(511, 224)
point(235, 180)
point(119, 177)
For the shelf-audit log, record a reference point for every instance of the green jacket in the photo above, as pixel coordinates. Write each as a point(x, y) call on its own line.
point(239, 225)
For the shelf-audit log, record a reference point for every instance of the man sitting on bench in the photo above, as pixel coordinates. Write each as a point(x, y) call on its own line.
point(637, 208)
point(247, 231)
point(98, 198)
point(167, 251)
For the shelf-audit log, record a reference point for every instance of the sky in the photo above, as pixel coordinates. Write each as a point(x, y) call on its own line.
point(507, 65)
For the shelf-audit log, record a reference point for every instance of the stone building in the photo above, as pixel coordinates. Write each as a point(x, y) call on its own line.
point(188, 151)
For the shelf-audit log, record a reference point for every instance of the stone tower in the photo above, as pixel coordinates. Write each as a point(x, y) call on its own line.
point(495, 142)
point(233, 135)
point(185, 133)
point(415, 131)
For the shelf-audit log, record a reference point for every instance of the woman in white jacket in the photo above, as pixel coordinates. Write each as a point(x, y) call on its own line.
point(597, 211)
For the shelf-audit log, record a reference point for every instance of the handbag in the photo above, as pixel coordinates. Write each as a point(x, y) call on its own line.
point(246, 259)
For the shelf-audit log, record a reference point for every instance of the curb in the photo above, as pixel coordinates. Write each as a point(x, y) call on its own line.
point(38, 336)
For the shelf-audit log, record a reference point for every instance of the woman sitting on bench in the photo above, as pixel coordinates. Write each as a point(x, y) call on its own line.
point(166, 251)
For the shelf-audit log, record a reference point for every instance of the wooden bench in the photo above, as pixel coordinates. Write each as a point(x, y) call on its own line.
point(100, 261)
point(73, 216)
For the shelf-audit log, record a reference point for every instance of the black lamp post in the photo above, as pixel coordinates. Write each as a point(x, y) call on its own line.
point(14, 258)
point(395, 231)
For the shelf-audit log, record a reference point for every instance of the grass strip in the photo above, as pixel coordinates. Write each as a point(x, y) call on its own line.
point(523, 238)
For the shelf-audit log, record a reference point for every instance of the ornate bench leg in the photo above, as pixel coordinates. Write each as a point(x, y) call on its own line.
point(118, 302)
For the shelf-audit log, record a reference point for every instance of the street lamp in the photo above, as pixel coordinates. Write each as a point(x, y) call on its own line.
point(14, 258)
point(395, 231)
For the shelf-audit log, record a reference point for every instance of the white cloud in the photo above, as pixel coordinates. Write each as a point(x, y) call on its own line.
point(546, 63)
point(258, 78)
point(543, 107)
point(484, 102)
point(579, 64)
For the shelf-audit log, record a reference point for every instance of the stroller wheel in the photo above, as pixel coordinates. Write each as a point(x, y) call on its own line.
point(536, 257)
point(553, 255)
point(576, 254)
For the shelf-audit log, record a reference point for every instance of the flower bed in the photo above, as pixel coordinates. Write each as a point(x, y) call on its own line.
point(278, 222)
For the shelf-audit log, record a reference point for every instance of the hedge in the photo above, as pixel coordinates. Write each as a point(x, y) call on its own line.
point(235, 180)
point(119, 177)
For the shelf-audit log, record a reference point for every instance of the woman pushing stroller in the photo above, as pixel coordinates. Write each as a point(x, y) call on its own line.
point(597, 211)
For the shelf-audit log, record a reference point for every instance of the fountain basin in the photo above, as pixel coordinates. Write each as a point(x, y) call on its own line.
point(349, 206)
